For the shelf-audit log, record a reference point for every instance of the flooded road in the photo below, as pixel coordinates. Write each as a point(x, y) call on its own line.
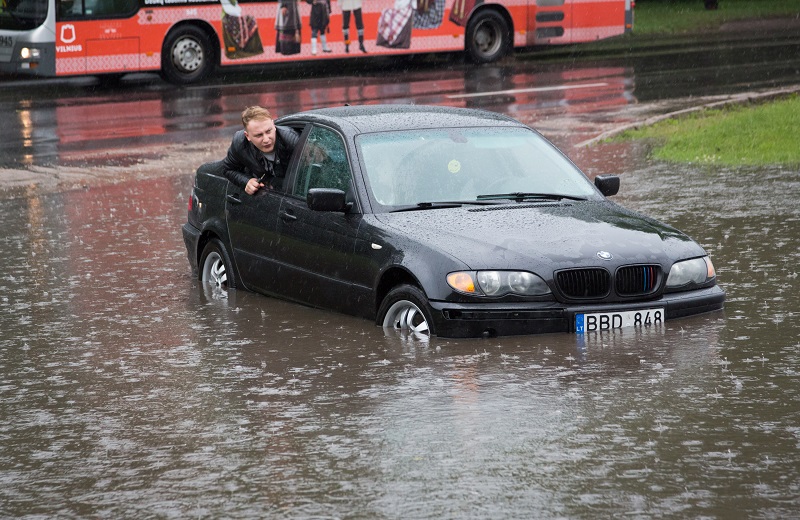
point(64, 128)
point(128, 390)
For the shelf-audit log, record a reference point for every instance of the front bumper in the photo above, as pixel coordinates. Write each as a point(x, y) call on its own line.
point(458, 320)
point(43, 65)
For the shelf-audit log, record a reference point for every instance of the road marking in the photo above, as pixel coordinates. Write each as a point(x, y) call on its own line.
point(524, 90)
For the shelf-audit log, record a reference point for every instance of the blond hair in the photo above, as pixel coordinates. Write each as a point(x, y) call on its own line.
point(254, 112)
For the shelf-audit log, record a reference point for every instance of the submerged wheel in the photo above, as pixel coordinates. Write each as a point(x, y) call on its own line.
point(406, 309)
point(216, 267)
point(187, 55)
point(488, 37)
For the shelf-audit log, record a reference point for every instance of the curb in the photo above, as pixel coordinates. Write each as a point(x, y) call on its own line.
point(734, 99)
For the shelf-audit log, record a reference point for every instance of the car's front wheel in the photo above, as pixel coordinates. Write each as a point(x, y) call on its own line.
point(216, 267)
point(406, 309)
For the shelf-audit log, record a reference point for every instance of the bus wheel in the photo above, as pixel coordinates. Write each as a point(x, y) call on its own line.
point(488, 37)
point(187, 55)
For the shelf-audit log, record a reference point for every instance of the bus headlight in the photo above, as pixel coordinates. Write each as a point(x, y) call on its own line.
point(30, 53)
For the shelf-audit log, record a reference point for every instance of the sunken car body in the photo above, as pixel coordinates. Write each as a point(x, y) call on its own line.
point(454, 222)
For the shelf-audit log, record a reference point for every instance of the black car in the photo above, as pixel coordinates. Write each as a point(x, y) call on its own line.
point(444, 221)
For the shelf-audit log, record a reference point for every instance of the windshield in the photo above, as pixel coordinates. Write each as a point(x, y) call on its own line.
point(22, 15)
point(466, 164)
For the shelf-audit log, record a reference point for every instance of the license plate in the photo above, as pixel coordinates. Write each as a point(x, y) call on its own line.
point(6, 41)
point(600, 321)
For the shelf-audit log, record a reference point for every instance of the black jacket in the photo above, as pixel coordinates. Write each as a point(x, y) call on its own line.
point(243, 161)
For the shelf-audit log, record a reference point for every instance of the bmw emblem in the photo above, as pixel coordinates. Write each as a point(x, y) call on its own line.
point(604, 255)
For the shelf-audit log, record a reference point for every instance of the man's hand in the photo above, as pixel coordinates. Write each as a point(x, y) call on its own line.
point(253, 185)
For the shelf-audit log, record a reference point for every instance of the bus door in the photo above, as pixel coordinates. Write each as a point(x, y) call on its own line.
point(96, 36)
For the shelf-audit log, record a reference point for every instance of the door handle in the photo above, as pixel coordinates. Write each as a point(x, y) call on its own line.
point(287, 217)
point(234, 199)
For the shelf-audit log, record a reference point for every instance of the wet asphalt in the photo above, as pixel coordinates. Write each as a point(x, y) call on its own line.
point(128, 389)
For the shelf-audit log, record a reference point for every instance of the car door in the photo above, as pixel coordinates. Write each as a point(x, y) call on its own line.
point(315, 248)
point(253, 230)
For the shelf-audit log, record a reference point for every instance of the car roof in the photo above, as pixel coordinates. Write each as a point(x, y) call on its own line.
point(380, 118)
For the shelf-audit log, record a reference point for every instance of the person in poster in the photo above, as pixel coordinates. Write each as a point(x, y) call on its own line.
point(319, 19)
point(429, 14)
point(352, 6)
point(239, 31)
point(287, 27)
point(394, 25)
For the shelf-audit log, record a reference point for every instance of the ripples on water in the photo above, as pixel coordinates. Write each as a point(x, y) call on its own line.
point(128, 390)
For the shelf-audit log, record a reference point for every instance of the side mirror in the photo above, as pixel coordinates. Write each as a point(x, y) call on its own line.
point(607, 184)
point(326, 199)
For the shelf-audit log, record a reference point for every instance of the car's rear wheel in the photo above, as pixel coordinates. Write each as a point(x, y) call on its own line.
point(216, 267)
point(406, 309)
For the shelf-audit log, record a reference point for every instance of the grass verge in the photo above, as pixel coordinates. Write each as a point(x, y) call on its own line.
point(755, 135)
point(682, 16)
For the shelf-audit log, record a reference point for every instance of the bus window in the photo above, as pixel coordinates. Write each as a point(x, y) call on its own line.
point(70, 8)
point(97, 8)
point(22, 15)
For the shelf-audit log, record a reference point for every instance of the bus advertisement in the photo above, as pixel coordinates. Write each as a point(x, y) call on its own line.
point(186, 40)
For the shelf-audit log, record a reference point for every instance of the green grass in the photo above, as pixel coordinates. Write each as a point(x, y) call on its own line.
point(744, 135)
point(681, 16)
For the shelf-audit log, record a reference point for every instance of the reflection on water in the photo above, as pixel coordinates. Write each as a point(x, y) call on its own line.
point(54, 128)
point(129, 390)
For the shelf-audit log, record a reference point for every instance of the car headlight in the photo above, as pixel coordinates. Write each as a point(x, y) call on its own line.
point(696, 270)
point(497, 283)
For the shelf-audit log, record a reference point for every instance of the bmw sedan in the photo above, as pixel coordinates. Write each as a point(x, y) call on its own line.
point(446, 221)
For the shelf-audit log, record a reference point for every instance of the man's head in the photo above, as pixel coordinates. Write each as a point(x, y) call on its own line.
point(259, 128)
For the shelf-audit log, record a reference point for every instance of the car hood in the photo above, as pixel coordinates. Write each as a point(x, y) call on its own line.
point(566, 234)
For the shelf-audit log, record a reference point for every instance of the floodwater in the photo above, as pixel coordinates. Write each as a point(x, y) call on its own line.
point(129, 390)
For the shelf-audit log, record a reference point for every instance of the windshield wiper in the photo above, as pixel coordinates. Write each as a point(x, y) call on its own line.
point(442, 205)
point(521, 196)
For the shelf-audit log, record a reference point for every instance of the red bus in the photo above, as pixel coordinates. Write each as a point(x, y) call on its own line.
point(186, 40)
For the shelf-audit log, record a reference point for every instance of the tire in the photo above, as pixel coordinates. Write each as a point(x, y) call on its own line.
point(488, 37)
point(216, 267)
point(406, 309)
point(187, 55)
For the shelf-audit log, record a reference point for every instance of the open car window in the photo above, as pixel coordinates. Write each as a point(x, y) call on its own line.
point(322, 164)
